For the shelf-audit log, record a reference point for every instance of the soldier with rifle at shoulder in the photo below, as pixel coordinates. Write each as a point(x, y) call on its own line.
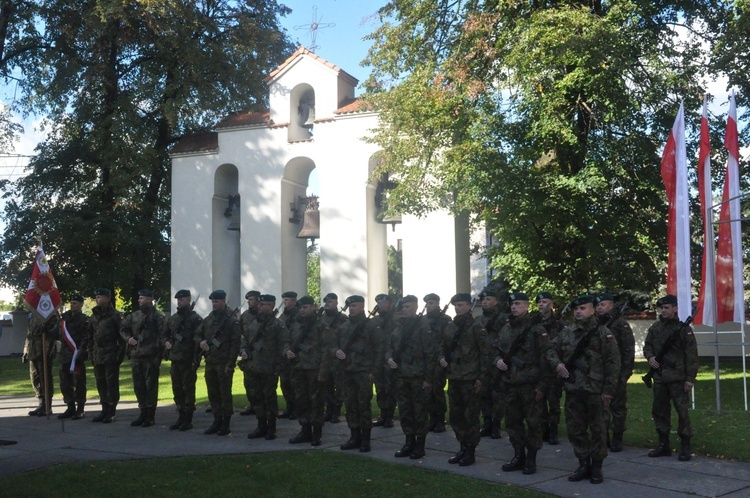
point(437, 320)
point(331, 319)
point(672, 354)
point(492, 400)
point(385, 393)
point(248, 325)
point(553, 324)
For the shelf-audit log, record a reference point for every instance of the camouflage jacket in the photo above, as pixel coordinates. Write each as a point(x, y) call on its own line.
point(680, 363)
point(625, 343)
point(265, 342)
point(107, 345)
point(145, 325)
point(529, 363)
point(493, 324)
point(310, 342)
point(221, 331)
point(180, 331)
point(466, 349)
point(78, 326)
point(414, 349)
point(359, 339)
point(551, 324)
point(37, 327)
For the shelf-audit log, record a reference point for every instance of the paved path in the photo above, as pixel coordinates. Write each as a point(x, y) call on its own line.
point(43, 442)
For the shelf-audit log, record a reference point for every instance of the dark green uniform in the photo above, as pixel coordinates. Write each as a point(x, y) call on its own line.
point(73, 381)
point(492, 399)
point(553, 391)
point(285, 370)
point(385, 393)
point(34, 350)
point(437, 321)
point(626, 345)
point(248, 325)
point(265, 345)
point(180, 331)
point(107, 352)
point(331, 320)
point(585, 415)
point(145, 326)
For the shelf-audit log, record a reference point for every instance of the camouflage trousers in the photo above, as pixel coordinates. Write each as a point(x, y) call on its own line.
point(551, 404)
point(287, 387)
point(586, 420)
point(522, 406)
point(219, 387)
point(107, 378)
point(263, 395)
point(73, 384)
point(334, 389)
point(664, 393)
point(492, 400)
point(183, 385)
point(358, 389)
point(438, 405)
point(36, 367)
point(618, 408)
point(384, 390)
point(413, 404)
point(146, 380)
point(309, 394)
point(464, 411)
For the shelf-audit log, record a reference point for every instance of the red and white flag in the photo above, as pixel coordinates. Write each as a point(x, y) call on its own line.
point(71, 344)
point(42, 296)
point(704, 314)
point(674, 176)
point(729, 284)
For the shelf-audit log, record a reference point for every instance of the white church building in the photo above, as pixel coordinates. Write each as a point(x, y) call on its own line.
point(239, 195)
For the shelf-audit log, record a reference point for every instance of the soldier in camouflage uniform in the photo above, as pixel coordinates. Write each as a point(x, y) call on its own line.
point(674, 343)
point(585, 354)
point(218, 338)
point(309, 354)
point(520, 357)
point(33, 352)
point(178, 337)
point(263, 350)
point(492, 399)
point(620, 328)
point(385, 394)
point(106, 350)
point(331, 320)
point(436, 320)
point(553, 394)
point(465, 352)
point(412, 355)
point(285, 373)
point(248, 324)
point(73, 374)
point(358, 349)
point(142, 331)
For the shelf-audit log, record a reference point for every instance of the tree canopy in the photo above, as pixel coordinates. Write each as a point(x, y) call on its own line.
point(546, 119)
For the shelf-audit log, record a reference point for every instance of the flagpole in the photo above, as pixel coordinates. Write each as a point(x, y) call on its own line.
point(714, 305)
point(47, 401)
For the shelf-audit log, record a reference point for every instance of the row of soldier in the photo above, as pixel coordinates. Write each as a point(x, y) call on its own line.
point(499, 365)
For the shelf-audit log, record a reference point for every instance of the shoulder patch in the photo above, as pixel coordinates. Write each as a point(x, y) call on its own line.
point(610, 337)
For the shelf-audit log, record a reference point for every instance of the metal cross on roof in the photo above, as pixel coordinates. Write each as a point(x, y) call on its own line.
point(313, 28)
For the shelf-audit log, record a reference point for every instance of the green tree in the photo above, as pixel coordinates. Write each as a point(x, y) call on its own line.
point(313, 273)
point(121, 82)
point(545, 118)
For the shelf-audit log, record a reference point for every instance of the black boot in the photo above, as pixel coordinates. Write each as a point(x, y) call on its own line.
point(178, 423)
point(517, 462)
point(364, 445)
point(596, 472)
point(554, 439)
point(102, 414)
point(317, 432)
point(663, 449)
point(214, 428)
point(69, 412)
point(150, 415)
point(458, 456)
point(354, 440)
point(582, 472)
point(141, 418)
point(530, 465)
point(439, 426)
point(388, 421)
point(38, 410)
point(418, 449)
point(271, 432)
point(496, 434)
point(224, 430)
point(304, 436)
point(486, 430)
point(259, 431)
point(380, 421)
point(187, 421)
point(407, 448)
point(80, 413)
point(685, 451)
point(111, 414)
point(248, 411)
point(616, 444)
point(468, 458)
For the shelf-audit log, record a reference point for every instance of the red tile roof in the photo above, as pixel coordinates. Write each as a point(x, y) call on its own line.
point(302, 51)
point(199, 142)
point(350, 106)
point(246, 118)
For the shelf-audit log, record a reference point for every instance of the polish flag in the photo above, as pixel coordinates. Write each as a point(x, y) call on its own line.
point(729, 283)
point(704, 314)
point(674, 176)
point(42, 296)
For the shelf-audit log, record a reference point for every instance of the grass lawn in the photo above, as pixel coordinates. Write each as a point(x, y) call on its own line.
point(295, 473)
point(719, 436)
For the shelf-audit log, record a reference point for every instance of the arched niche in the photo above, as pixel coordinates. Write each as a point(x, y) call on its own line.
point(225, 242)
point(301, 113)
point(294, 184)
point(377, 240)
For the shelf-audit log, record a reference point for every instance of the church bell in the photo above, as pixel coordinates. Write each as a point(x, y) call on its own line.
point(310, 222)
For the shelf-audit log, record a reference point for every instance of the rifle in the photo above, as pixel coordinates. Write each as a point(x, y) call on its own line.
point(297, 346)
point(405, 338)
point(562, 313)
point(277, 310)
point(374, 310)
point(177, 336)
point(474, 302)
point(139, 335)
point(215, 340)
point(423, 310)
point(516, 345)
point(454, 344)
point(648, 379)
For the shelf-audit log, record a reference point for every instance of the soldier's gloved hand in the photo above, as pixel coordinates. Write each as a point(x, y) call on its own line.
point(426, 387)
point(478, 386)
point(243, 355)
point(392, 363)
point(653, 363)
point(25, 358)
point(290, 355)
point(538, 395)
point(340, 354)
point(167, 345)
point(443, 363)
point(562, 371)
point(501, 365)
point(688, 386)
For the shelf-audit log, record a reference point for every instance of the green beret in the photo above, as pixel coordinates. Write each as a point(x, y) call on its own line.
point(182, 293)
point(101, 291)
point(305, 300)
point(146, 293)
point(604, 296)
point(331, 296)
point(76, 297)
point(252, 293)
point(461, 297)
point(580, 300)
point(517, 296)
point(488, 293)
point(543, 295)
point(668, 299)
point(431, 297)
point(218, 294)
point(409, 298)
point(289, 294)
point(266, 298)
point(382, 297)
point(354, 299)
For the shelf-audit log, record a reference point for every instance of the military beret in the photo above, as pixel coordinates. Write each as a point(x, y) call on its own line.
point(182, 293)
point(252, 293)
point(330, 297)
point(409, 298)
point(289, 294)
point(382, 297)
point(101, 291)
point(543, 295)
point(668, 299)
point(584, 299)
point(604, 296)
point(218, 294)
point(517, 296)
point(76, 297)
point(146, 293)
point(461, 297)
point(488, 293)
point(431, 297)
point(305, 300)
point(266, 298)
point(354, 299)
